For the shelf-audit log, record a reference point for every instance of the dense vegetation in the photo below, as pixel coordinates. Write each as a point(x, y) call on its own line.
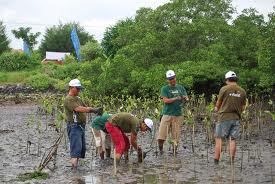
point(198, 39)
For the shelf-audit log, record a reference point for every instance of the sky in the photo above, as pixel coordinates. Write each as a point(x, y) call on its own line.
point(93, 15)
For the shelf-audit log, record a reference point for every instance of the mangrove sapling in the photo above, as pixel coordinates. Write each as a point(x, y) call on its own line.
point(39, 125)
point(115, 162)
point(231, 160)
point(193, 136)
point(242, 147)
point(167, 147)
point(30, 123)
point(47, 157)
point(142, 156)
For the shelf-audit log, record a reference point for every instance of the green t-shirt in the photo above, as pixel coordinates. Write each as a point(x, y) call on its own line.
point(126, 121)
point(232, 97)
point(99, 122)
point(70, 103)
point(173, 109)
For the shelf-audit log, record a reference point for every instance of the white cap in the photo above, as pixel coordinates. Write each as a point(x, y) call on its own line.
point(230, 74)
point(75, 83)
point(170, 74)
point(149, 123)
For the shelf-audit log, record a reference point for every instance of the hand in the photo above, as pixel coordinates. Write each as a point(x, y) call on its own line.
point(216, 109)
point(98, 111)
point(185, 98)
point(177, 98)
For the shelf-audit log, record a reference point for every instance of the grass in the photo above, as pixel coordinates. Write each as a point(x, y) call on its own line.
point(32, 175)
point(18, 77)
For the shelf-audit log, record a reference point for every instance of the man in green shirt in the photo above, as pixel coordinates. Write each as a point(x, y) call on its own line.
point(76, 119)
point(173, 95)
point(230, 104)
point(119, 124)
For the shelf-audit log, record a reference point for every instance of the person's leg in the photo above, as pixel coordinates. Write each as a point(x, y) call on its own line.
point(232, 145)
point(234, 133)
point(165, 122)
point(108, 145)
point(117, 138)
point(221, 132)
point(83, 142)
point(75, 138)
point(177, 122)
point(218, 149)
point(127, 146)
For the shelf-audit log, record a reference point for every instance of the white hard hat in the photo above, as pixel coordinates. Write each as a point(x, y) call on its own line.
point(230, 74)
point(75, 83)
point(170, 74)
point(149, 123)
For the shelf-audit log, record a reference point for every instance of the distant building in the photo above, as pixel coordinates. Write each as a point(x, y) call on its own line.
point(17, 50)
point(55, 57)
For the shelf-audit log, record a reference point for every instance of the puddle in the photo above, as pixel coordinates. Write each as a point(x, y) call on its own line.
point(93, 179)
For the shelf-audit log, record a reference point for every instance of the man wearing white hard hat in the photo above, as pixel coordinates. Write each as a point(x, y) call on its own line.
point(173, 95)
point(76, 119)
point(117, 126)
point(230, 104)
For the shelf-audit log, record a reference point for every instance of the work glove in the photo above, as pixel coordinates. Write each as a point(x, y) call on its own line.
point(98, 111)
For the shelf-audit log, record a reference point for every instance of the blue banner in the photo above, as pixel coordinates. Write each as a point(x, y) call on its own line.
point(76, 43)
point(26, 48)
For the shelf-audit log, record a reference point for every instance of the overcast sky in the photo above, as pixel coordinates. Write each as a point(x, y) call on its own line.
point(93, 15)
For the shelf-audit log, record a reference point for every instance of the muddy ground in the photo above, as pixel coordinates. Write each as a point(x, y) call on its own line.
point(255, 162)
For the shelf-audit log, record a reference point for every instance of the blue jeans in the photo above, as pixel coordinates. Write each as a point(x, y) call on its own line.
point(76, 134)
point(229, 128)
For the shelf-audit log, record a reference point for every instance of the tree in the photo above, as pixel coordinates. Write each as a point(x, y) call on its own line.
point(58, 38)
point(26, 36)
point(91, 50)
point(4, 41)
point(113, 40)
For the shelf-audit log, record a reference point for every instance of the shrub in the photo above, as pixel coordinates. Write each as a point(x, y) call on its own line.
point(91, 50)
point(41, 82)
point(15, 61)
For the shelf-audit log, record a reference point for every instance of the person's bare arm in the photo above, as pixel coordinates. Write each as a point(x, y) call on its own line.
point(170, 100)
point(220, 100)
point(87, 109)
point(134, 140)
point(83, 109)
point(218, 105)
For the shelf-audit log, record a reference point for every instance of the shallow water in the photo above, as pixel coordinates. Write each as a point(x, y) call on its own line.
point(257, 165)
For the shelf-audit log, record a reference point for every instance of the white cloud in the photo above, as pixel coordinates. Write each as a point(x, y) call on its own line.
point(93, 15)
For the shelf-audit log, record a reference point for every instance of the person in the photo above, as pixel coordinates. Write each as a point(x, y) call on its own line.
point(119, 124)
point(102, 138)
point(76, 119)
point(230, 104)
point(173, 95)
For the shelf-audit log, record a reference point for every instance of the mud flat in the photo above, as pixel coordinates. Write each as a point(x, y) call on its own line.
point(255, 162)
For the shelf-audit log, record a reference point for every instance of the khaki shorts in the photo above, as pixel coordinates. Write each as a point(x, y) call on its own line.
point(173, 122)
point(102, 139)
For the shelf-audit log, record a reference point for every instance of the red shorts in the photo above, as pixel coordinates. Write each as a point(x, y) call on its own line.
point(119, 138)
